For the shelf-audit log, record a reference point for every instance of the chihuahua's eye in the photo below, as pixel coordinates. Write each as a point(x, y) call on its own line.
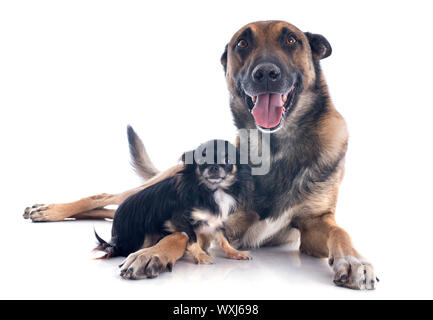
point(229, 167)
point(242, 43)
point(291, 40)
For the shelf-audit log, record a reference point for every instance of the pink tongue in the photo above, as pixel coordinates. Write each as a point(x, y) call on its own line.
point(268, 110)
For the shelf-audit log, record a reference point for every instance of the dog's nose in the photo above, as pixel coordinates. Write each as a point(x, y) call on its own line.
point(266, 72)
point(213, 169)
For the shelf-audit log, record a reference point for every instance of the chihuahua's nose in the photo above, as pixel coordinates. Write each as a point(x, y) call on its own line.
point(213, 169)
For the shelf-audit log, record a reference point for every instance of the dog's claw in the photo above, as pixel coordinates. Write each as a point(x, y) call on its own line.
point(354, 273)
point(43, 212)
point(170, 267)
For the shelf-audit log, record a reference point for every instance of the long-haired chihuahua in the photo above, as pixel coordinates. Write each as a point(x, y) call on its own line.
point(196, 201)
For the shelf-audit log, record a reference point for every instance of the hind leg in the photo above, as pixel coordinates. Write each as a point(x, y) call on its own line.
point(96, 214)
point(84, 208)
point(79, 209)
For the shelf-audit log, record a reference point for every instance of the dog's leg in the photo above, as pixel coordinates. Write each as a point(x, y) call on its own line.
point(198, 254)
point(229, 251)
point(204, 240)
point(323, 238)
point(150, 262)
point(59, 212)
point(96, 214)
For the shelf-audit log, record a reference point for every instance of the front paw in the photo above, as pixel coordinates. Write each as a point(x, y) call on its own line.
point(354, 273)
point(144, 264)
point(239, 255)
point(203, 258)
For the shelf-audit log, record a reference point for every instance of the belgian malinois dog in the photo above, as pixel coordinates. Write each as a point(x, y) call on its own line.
point(276, 85)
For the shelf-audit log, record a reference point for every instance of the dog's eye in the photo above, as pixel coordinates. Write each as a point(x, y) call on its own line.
point(291, 40)
point(228, 167)
point(242, 43)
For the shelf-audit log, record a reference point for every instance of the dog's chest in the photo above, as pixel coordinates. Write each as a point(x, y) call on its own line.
point(263, 230)
point(210, 221)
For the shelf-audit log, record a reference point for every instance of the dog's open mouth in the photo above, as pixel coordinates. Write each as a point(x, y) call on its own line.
point(215, 180)
point(269, 108)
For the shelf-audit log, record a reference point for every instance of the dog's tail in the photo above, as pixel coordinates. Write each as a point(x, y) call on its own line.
point(140, 160)
point(109, 249)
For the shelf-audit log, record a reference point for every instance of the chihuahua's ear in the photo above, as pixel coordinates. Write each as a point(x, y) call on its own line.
point(224, 59)
point(319, 45)
point(187, 157)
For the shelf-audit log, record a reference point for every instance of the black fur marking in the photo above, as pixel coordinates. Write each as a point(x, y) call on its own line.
point(224, 59)
point(248, 36)
point(285, 32)
point(106, 247)
point(319, 45)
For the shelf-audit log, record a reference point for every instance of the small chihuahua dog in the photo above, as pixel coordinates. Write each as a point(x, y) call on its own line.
point(196, 201)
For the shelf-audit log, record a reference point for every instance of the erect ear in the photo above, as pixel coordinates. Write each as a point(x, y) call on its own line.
point(187, 157)
point(319, 45)
point(224, 59)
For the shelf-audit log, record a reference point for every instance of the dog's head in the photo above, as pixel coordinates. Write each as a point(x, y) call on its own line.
point(268, 65)
point(216, 164)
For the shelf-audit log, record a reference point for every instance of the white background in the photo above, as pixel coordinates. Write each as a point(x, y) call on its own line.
point(73, 74)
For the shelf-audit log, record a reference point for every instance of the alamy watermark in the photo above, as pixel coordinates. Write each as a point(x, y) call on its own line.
point(254, 149)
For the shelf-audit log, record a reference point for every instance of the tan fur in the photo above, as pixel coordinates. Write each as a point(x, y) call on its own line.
point(204, 241)
point(198, 249)
point(323, 238)
point(229, 251)
point(333, 134)
point(150, 240)
point(149, 262)
point(266, 33)
point(198, 254)
point(85, 207)
point(96, 214)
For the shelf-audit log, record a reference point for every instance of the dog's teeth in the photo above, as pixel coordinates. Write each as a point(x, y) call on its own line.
point(284, 97)
point(254, 99)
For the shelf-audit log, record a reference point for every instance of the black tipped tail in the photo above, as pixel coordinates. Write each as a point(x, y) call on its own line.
point(139, 158)
point(108, 248)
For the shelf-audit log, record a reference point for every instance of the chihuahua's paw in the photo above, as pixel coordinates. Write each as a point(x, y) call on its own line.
point(203, 258)
point(239, 255)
